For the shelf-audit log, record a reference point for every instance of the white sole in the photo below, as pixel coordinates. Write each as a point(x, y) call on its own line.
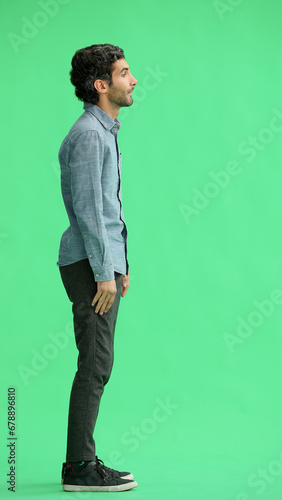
point(129, 476)
point(116, 487)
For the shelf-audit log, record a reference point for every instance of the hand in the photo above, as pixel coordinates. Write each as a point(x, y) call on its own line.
point(125, 284)
point(105, 296)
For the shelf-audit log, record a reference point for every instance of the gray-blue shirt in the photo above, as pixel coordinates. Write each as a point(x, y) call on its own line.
point(90, 163)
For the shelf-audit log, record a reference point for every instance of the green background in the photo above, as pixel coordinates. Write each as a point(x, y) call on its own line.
point(205, 258)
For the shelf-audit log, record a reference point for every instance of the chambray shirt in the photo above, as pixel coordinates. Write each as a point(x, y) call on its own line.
point(90, 163)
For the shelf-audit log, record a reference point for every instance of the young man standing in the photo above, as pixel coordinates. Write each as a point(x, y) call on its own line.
point(93, 252)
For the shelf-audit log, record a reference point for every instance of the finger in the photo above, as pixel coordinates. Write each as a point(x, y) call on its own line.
point(100, 301)
point(98, 294)
point(107, 304)
point(124, 289)
point(104, 301)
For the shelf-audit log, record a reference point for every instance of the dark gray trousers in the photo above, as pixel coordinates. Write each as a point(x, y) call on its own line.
point(94, 336)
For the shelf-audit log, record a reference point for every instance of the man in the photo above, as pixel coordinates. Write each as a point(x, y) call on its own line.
point(93, 252)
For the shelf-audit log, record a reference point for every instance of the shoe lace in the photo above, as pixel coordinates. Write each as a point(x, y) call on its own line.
point(104, 471)
point(101, 463)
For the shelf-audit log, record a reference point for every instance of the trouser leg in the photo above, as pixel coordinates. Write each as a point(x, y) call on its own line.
point(94, 336)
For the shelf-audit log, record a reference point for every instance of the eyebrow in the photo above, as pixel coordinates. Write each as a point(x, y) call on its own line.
point(124, 69)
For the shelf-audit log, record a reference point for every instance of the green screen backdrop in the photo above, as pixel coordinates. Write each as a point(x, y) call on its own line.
point(193, 407)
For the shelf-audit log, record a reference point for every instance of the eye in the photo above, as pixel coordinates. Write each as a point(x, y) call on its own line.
point(123, 74)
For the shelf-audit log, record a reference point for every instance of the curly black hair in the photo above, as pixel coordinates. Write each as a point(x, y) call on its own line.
point(90, 63)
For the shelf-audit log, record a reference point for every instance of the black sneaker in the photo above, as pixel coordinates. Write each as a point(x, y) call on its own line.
point(115, 473)
point(94, 477)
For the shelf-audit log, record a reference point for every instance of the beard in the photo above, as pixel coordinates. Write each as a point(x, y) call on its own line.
point(120, 97)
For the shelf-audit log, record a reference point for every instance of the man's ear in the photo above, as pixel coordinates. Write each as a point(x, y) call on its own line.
point(100, 86)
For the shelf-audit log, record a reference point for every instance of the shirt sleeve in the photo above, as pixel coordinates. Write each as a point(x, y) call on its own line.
point(86, 164)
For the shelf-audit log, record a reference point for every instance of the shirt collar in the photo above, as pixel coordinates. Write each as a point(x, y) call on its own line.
point(107, 122)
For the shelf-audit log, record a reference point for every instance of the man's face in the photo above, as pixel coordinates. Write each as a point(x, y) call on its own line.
point(123, 83)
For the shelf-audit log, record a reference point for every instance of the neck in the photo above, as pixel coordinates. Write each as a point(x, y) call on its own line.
point(110, 108)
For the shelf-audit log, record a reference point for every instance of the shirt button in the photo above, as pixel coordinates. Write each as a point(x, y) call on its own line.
point(90, 255)
point(97, 274)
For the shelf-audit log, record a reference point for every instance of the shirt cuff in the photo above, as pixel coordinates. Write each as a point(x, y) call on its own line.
point(104, 275)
